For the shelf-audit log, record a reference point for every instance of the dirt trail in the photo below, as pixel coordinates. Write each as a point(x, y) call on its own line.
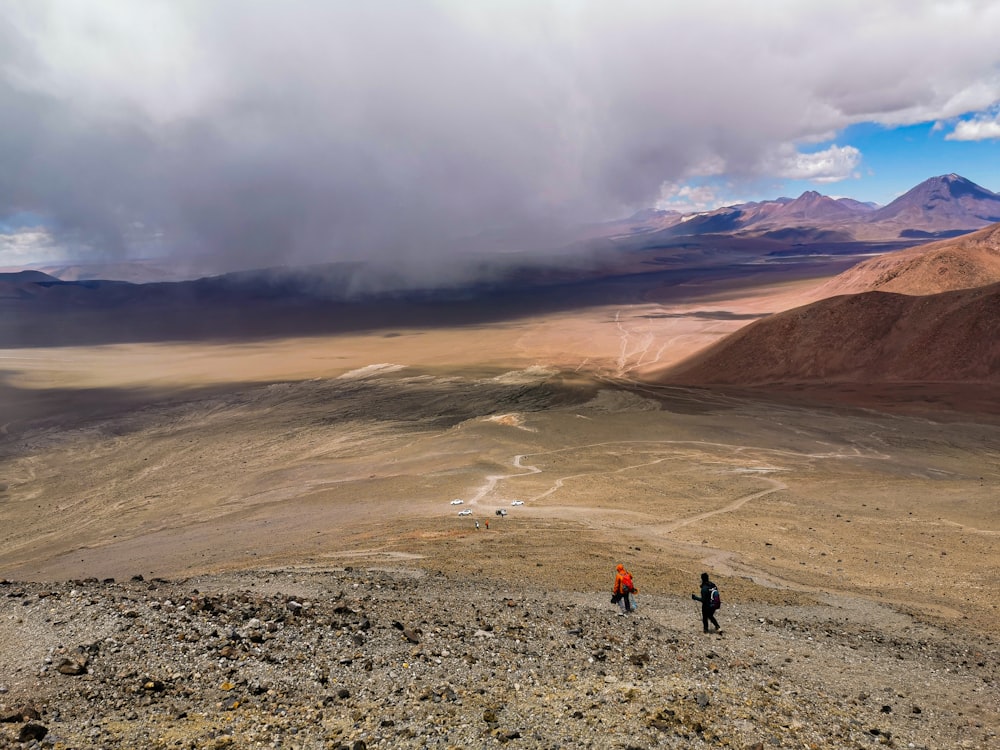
point(733, 506)
point(327, 468)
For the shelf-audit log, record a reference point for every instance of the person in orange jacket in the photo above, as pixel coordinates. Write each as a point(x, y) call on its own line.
point(623, 587)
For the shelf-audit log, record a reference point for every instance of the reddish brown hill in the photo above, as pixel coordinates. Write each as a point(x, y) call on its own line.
point(875, 337)
point(812, 209)
point(965, 262)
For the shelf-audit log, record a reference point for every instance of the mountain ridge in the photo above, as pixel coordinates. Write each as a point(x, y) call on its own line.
point(939, 206)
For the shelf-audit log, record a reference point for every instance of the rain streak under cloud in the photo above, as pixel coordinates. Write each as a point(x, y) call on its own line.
point(404, 132)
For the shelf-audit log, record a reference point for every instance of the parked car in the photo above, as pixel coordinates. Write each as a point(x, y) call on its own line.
point(466, 512)
point(456, 501)
point(502, 512)
point(518, 502)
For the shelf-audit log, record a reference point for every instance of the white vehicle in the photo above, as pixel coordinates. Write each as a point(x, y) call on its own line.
point(456, 501)
point(466, 512)
point(518, 502)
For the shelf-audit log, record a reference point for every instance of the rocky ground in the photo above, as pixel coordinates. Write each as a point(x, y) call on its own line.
point(366, 658)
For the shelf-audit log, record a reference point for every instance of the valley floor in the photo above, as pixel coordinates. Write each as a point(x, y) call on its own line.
point(856, 548)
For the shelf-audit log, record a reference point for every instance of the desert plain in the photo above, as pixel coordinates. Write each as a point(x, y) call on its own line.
point(177, 459)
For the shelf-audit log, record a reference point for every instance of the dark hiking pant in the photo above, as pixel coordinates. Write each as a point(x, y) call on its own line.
point(708, 616)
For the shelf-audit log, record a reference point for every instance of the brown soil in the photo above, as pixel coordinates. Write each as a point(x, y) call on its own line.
point(856, 542)
point(872, 338)
point(966, 262)
point(180, 459)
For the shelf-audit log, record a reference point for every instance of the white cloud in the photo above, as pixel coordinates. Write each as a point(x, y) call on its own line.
point(710, 166)
point(829, 165)
point(980, 128)
point(689, 199)
point(29, 247)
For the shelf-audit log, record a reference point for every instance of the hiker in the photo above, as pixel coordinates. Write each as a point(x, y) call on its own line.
point(709, 602)
point(623, 587)
point(477, 525)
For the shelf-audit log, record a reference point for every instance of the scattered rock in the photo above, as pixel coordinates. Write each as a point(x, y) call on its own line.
point(26, 712)
point(238, 664)
point(32, 732)
point(72, 666)
point(412, 635)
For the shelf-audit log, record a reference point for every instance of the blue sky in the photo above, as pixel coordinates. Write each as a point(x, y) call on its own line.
point(894, 159)
point(399, 131)
point(887, 161)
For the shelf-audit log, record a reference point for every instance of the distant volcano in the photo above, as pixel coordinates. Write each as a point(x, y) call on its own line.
point(816, 208)
point(944, 206)
point(941, 203)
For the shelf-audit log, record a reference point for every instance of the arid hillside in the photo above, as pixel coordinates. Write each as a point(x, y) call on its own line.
point(965, 262)
point(250, 540)
point(875, 337)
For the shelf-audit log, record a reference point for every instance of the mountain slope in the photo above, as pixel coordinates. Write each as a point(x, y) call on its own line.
point(865, 338)
point(965, 262)
point(941, 203)
point(943, 206)
point(22, 284)
point(812, 209)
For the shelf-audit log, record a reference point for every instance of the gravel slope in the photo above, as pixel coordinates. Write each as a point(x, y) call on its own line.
point(353, 658)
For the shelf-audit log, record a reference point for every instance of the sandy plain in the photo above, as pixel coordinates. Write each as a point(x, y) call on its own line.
point(181, 459)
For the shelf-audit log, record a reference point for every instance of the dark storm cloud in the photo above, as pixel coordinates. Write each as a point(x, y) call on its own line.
point(404, 133)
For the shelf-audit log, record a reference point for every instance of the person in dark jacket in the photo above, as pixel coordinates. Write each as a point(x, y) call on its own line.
point(707, 608)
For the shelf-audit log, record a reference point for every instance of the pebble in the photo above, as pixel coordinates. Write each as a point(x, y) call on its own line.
point(401, 661)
